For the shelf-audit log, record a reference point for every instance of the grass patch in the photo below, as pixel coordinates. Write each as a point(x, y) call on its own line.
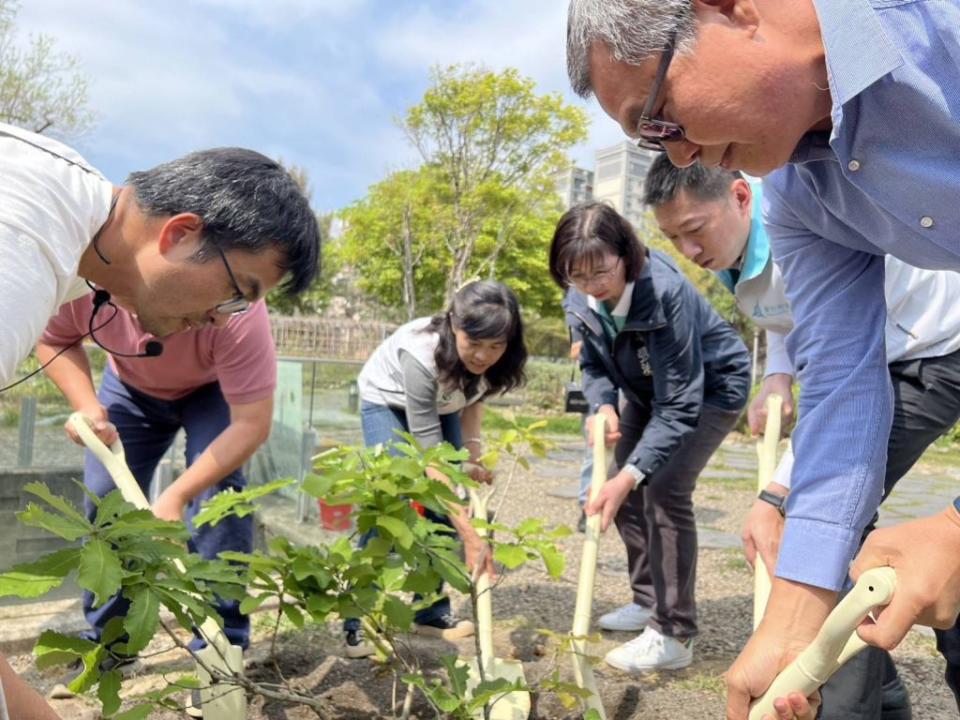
point(494, 419)
point(733, 482)
point(703, 682)
point(736, 561)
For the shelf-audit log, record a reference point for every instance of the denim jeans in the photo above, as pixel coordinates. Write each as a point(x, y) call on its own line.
point(586, 466)
point(380, 424)
point(147, 427)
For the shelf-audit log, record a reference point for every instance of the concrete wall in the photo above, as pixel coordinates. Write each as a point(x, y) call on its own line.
point(19, 543)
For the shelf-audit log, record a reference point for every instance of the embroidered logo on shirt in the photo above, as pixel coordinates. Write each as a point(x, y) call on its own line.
point(760, 311)
point(643, 357)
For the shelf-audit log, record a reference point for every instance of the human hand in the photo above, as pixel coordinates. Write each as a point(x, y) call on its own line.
point(608, 500)
point(612, 425)
point(478, 554)
point(170, 505)
point(780, 384)
point(762, 530)
point(100, 423)
point(793, 617)
point(478, 473)
point(925, 554)
point(795, 707)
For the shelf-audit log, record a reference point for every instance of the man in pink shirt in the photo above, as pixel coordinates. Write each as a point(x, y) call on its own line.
point(214, 381)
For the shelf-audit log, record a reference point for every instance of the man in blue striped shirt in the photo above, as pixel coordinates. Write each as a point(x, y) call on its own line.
point(858, 105)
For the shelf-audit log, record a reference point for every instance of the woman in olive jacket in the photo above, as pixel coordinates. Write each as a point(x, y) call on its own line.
point(684, 375)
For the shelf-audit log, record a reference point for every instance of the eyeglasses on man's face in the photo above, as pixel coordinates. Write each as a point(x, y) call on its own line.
point(600, 277)
point(652, 132)
point(238, 303)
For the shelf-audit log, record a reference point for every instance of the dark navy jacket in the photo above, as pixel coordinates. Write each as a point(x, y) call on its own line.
point(674, 355)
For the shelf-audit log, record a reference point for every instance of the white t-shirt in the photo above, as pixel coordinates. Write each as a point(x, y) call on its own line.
point(51, 205)
point(402, 373)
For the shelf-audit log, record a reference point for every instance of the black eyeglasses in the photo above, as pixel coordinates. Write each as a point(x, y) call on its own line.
point(652, 133)
point(238, 304)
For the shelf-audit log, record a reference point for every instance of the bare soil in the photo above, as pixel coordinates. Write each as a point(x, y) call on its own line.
point(527, 601)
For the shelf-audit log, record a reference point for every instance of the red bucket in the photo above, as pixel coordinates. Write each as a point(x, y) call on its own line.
point(335, 517)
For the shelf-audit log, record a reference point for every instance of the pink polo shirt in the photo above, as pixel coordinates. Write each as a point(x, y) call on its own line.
point(240, 355)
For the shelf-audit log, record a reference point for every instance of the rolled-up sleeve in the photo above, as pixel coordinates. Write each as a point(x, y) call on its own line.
point(846, 402)
point(778, 359)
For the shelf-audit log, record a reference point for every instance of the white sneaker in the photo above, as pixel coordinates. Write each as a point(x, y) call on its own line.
point(651, 651)
point(629, 618)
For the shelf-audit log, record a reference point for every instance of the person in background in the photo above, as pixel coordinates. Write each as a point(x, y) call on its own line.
point(158, 245)
point(214, 382)
point(712, 216)
point(429, 378)
point(804, 93)
point(586, 465)
point(685, 376)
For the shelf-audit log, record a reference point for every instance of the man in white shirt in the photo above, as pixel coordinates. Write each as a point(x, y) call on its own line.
point(713, 217)
point(182, 245)
point(213, 230)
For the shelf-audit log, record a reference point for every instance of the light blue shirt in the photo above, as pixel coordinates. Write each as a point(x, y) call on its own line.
point(886, 180)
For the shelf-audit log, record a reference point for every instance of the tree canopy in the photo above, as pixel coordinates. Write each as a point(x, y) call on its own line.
point(481, 204)
point(41, 89)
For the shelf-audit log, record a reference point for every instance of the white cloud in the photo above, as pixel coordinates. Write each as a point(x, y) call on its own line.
point(317, 82)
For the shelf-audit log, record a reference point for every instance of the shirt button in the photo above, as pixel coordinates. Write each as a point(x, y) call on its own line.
point(926, 221)
point(853, 165)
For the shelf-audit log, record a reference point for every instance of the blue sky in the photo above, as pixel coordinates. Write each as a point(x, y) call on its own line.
point(316, 82)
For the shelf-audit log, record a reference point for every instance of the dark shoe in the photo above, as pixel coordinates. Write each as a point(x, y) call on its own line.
point(356, 646)
point(582, 522)
point(446, 627)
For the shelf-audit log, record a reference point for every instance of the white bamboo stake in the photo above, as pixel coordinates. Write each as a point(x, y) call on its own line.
point(766, 466)
point(513, 705)
point(582, 670)
point(230, 701)
point(836, 642)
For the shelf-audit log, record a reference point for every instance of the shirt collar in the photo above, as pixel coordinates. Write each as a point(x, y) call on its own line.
point(756, 253)
point(858, 51)
point(623, 306)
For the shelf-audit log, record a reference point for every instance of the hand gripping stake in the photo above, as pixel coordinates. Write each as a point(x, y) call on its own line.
point(219, 703)
point(836, 642)
point(582, 671)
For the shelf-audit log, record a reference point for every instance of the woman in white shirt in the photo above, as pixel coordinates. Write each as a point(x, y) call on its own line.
point(429, 378)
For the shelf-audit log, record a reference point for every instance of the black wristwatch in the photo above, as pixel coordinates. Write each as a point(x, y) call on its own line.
point(778, 501)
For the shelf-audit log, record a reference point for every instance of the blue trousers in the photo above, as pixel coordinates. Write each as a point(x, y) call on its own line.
point(147, 427)
point(379, 424)
point(586, 466)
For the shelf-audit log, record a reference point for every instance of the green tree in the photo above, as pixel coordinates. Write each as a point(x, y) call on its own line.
point(483, 202)
point(488, 134)
point(40, 89)
point(393, 241)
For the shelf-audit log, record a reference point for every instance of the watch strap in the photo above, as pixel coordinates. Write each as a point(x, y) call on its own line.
point(778, 501)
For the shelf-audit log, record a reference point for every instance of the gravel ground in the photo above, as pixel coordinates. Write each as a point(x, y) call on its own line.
point(527, 600)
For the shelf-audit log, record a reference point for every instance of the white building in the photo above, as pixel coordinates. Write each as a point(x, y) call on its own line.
point(618, 178)
point(574, 186)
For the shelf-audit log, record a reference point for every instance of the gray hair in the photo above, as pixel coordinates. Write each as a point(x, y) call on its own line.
point(633, 31)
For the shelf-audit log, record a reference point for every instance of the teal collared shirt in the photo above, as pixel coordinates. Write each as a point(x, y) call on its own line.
point(756, 254)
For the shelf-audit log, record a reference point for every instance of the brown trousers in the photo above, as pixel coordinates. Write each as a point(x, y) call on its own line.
point(657, 524)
